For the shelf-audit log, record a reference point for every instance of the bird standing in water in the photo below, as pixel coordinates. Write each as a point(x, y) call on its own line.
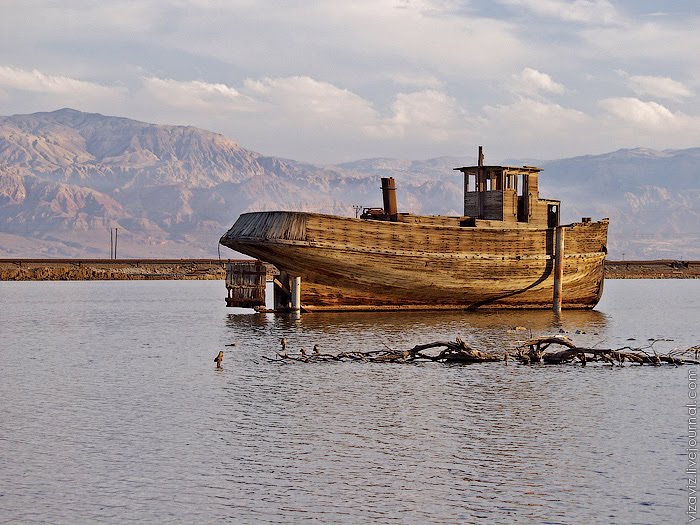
point(218, 359)
point(283, 342)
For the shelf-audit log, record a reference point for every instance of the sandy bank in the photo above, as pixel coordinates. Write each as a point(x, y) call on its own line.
point(659, 269)
point(174, 269)
point(119, 269)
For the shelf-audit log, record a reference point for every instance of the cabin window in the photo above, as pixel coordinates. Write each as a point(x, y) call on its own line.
point(552, 216)
point(470, 182)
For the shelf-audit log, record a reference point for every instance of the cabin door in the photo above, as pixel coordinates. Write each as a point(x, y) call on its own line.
point(552, 215)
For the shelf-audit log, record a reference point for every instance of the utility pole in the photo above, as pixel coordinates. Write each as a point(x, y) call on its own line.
point(113, 236)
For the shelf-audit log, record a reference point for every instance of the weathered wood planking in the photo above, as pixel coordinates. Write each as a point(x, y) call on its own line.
point(348, 263)
point(501, 253)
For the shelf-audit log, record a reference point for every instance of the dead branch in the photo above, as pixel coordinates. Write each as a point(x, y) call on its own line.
point(543, 350)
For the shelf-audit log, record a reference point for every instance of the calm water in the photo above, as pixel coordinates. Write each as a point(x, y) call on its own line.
point(111, 410)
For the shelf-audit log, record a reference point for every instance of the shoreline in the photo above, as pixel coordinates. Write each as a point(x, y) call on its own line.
point(215, 269)
point(112, 269)
point(653, 269)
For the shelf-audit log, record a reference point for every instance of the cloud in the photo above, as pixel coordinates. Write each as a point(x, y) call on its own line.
point(334, 80)
point(431, 114)
point(417, 80)
point(631, 122)
point(298, 98)
point(274, 114)
point(585, 11)
point(193, 94)
point(350, 43)
point(659, 43)
point(532, 82)
point(660, 87)
point(533, 128)
point(644, 114)
point(38, 82)
point(306, 99)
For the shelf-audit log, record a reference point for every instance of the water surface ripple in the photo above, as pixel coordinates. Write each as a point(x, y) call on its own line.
point(112, 411)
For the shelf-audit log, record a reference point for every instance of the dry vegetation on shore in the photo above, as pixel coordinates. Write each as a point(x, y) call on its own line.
point(101, 270)
point(659, 269)
point(174, 269)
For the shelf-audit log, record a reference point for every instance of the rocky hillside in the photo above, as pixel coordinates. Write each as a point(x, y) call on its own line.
point(67, 177)
point(652, 199)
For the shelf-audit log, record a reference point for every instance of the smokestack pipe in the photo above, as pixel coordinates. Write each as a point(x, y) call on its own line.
point(389, 196)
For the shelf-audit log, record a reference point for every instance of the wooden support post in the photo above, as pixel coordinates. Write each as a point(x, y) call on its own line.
point(558, 268)
point(281, 292)
point(296, 293)
point(480, 185)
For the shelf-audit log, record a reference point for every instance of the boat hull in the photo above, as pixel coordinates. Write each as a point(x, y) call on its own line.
point(355, 264)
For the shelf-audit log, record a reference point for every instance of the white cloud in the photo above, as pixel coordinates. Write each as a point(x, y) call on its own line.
point(273, 114)
point(532, 82)
point(639, 112)
point(417, 80)
point(349, 43)
point(533, 127)
point(338, 80)
point(661, 87)
point(586, 11)
point(631, 122)
point(197, 94)
point(304, 98)
point(659, 43)
point(430, 114)
point(38, 82)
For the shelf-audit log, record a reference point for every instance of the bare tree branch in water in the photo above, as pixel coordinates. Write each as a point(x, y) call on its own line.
point(542, 350)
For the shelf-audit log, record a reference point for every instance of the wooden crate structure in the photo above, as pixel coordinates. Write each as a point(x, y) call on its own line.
point(245, 284)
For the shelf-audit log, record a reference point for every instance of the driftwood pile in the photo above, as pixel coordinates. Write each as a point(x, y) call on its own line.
point(543, 350)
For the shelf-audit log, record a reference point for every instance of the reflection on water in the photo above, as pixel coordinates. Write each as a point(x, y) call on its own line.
point(362, 331)
point(113, 411)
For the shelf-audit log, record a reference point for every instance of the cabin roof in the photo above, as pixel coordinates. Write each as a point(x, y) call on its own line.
point(516, 169)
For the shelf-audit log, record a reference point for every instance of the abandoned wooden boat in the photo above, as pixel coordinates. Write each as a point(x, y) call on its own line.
point(499, 254)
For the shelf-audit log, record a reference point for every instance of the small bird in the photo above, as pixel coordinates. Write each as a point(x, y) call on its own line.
point(218, 359)
point(303, 352)
point(283, 342)
point(317, 349)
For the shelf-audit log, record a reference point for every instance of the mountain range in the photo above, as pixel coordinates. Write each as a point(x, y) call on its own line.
point(67, 178)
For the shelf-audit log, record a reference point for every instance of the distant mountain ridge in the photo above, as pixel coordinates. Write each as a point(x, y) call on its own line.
point(67, 177)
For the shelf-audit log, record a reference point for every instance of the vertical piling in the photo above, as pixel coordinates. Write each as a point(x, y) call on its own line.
point(480, 184)
point(281, 292)
point(558, 268)
point(296, 293)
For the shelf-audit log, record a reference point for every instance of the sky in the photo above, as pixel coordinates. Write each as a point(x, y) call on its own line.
point(335, 81)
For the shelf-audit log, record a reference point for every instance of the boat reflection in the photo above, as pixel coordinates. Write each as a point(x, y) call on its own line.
point(422, 323)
